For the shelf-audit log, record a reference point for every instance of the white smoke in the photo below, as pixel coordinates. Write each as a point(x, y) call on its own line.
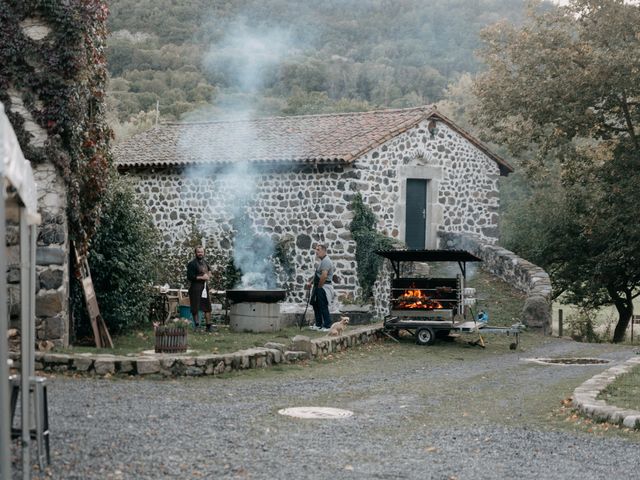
point(244, 58)
point(248, 55)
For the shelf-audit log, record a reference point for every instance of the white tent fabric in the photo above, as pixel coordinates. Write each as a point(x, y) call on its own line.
point(16, 170)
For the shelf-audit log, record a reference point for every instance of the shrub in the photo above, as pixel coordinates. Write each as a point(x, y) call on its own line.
point(581, 325)
point(122, 259)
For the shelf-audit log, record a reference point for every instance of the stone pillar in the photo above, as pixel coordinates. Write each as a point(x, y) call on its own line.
point(52, 258)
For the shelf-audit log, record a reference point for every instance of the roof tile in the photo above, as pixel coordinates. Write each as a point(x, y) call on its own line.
point(296, 139)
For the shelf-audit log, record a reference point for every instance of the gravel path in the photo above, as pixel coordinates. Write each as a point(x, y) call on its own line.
point(442, 412)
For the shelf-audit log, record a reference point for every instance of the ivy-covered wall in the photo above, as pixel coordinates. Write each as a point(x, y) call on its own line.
point(52, 83)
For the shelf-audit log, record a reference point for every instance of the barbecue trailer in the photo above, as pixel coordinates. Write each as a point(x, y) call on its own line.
point(435, 307)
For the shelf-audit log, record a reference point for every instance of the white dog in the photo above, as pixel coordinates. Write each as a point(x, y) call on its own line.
point(338, 327)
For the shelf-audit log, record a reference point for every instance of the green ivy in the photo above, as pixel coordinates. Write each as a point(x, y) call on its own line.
point(368, 240)
point(61, 80)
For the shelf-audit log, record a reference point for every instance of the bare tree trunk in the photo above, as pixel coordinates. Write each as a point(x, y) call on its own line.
point(624, 305)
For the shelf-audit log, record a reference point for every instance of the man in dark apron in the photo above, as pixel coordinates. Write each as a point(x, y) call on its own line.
point(322, 294)
point(198, 273)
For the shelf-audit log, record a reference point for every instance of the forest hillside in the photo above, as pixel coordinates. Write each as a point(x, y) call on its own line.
point(192, 59)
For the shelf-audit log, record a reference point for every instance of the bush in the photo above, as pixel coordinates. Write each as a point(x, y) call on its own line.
point(581, 326)
point(122, 259)
point(368, 240)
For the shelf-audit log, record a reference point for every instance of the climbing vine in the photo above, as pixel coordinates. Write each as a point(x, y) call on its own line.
point(368, 240)
point(60, 81)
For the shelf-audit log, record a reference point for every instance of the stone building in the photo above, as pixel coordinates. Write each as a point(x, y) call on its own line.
point(293, 179)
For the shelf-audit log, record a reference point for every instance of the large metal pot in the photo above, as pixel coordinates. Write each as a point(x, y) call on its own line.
point(250, 295)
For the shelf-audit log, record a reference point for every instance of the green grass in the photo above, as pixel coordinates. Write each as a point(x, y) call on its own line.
point(221, 341)
point(624, 392)
point(500, 300)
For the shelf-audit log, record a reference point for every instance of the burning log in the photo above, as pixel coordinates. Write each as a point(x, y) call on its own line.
point(417, 299)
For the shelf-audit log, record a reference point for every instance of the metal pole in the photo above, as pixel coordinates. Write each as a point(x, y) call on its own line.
point(560, 323)
point(5, 414)
point(25, 336)
point(33, 235)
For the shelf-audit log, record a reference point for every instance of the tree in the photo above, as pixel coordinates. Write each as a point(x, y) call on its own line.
point(564, 90)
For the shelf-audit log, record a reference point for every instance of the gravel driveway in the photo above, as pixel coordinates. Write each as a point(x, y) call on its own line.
point(448, 411)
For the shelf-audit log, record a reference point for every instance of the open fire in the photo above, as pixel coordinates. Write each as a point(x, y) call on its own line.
point(416, 299)
point(433, 298)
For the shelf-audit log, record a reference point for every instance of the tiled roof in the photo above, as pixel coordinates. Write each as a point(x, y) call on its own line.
point(334, 138)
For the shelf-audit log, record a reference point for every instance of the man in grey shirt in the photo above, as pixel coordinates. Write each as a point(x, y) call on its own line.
point(323, 293)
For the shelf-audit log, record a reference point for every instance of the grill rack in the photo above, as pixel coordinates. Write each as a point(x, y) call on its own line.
point(424, 324)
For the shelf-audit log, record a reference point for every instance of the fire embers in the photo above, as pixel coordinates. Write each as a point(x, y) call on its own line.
point(416, 299)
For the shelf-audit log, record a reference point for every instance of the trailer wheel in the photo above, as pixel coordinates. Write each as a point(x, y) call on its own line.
point(425, 336)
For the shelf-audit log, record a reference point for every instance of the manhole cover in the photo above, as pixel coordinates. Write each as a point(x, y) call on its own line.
point(315, 412)
point(569, 361)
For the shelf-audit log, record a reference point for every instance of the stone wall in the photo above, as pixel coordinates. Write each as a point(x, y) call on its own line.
point(520, 273)
point(195, 365)
point(52, 257)
point(305, 204)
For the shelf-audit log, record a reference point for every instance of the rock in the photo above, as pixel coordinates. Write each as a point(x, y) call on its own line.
point(82, 364)
point(536, 312)
point(631, 421)
point(48, 304)
point(104, 367)
point(274, 346)
point(54, 327)
point(303, 242)
point(303, 343)
point(50, 279)
point(147, 366)
point(55, 358)
point(50, 256)
point(51, 234)
point(292, 356)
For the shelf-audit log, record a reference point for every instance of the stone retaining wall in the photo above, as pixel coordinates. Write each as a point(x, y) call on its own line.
point(523, 275)
point(169, 365)
point(585, 397)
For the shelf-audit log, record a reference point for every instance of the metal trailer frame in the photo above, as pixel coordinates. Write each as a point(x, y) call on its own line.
point(21, 205)
point(426, 330)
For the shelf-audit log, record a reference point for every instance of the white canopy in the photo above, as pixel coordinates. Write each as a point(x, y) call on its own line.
point(16, 170)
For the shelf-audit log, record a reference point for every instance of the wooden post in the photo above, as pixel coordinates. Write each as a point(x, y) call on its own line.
point(560, 323)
